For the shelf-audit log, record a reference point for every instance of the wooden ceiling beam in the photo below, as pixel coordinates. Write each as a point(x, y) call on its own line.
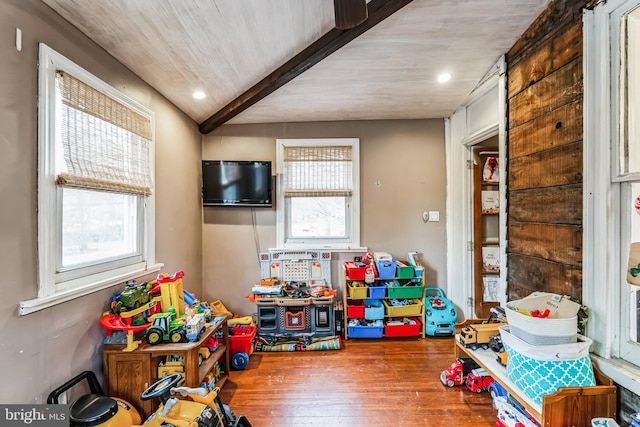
point(349, 13)
point(377, 11)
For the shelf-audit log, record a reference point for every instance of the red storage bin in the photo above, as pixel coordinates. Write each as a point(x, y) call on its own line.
point(355, 309)
point(355, 271)
point(402, 329)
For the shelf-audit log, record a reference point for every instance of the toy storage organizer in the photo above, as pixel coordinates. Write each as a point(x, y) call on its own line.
point(392, 306)
point(283, 316)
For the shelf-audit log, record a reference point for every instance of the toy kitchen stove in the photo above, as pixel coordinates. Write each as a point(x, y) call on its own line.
point(298, 301)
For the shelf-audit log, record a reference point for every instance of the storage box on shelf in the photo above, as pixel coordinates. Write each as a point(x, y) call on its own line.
point(128, 373)
point(557, 409)
point(377, 290)
point(404, 289)
point(365, 329)
point(358, 290)
point(408, 327)
point(377, 301)
point(386, 269)
point(373, 309)
point(412, 308)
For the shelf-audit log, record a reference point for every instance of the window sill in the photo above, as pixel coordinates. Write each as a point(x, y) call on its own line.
point(36, 304)
point(329, 248)
point(623, 373)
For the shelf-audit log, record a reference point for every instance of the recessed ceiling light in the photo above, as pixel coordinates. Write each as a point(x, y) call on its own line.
point(444, 77)
point(199, 94)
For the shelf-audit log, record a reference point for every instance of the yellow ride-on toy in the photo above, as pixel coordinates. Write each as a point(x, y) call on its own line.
point(205, 409)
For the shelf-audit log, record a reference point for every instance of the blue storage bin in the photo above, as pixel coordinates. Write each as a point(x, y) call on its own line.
point(377, 290)
point(386, 269)
point(365, 331)
point(373, 309)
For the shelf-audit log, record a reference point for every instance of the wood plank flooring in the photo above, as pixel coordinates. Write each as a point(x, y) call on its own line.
point(390, 382)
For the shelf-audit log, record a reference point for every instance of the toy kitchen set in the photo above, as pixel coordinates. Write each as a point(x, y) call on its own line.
point(297, 298)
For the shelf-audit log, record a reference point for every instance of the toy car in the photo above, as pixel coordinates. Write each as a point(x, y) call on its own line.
point(440, 314)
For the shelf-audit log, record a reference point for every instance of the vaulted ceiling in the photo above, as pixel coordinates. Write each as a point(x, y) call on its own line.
point(224, 48)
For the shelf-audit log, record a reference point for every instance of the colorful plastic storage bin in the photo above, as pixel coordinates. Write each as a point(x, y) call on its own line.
point(409, 290)
point(386, 269)
point(373, 309)
point(355, 309)
point(377, 290)
point(543, 369)
point(414, 309)
point(396, 328)
point(365, 331)
point(358, 290)
point(355, 271)
point(404, 271)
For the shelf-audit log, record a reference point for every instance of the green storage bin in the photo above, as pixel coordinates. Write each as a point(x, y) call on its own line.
point(409, 291)
point(404, 271)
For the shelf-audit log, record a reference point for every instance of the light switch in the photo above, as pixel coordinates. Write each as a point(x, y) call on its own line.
point(434, 216)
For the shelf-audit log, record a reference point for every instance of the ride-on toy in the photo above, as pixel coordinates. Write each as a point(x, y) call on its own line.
point(205, 409)
point(440, 313)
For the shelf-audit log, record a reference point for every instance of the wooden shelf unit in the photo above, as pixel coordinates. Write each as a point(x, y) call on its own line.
point(568, 406)
point(485, 231)
point(128, 374)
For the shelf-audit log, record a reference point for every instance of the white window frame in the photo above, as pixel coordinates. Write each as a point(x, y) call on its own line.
point(52, 289)
point(603, 281)
point(353, 226)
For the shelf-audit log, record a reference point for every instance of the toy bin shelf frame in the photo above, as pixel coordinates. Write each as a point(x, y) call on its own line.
point(350, 297)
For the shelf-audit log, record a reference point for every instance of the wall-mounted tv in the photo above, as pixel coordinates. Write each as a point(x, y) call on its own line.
point(237, 183)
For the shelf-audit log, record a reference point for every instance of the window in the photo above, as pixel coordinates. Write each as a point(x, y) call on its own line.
point(95, 174)
point(318, 195)
point(612, 186)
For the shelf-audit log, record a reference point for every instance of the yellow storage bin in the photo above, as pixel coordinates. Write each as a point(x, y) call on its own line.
point(358, 290)
point(414, 309)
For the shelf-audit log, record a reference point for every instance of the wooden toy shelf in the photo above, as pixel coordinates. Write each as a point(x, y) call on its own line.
point(128, 374)
point(569, 406)
point(390, 312)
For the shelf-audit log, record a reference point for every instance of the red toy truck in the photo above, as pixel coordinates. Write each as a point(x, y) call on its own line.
point(478, 380)
point(458, 371)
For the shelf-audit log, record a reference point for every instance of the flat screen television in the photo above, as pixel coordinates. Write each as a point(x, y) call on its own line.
point(236, 183)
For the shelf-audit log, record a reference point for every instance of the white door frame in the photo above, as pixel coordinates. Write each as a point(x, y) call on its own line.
point(482, 116)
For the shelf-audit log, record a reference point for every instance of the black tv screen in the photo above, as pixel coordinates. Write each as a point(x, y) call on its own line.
point(236, 183)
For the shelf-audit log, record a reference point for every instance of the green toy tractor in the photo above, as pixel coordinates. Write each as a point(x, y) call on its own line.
point(165, 328)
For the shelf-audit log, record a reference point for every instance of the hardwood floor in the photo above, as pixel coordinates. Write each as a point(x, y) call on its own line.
point(390, 382)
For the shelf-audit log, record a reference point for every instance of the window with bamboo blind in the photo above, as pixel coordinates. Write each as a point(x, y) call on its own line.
point(95, 184)
point(318, 193)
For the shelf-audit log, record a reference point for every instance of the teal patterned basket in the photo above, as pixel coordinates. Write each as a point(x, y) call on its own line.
point(541, 370)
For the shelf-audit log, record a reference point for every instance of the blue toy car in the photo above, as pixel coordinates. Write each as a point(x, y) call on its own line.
point(440, 314)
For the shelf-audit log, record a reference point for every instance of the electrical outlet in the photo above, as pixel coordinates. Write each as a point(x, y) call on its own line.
point(434, 216)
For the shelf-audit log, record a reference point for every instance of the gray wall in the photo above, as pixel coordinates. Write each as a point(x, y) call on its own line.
point(42, 350)
point(407, 157)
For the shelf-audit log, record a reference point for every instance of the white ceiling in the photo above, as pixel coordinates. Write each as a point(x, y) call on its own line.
point(224, 47)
